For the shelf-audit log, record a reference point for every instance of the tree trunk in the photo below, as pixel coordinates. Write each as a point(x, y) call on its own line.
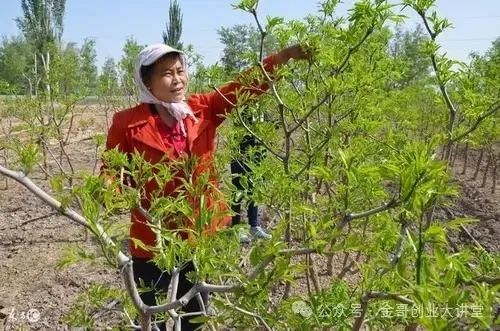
point(478, 165)
point(494, 184)
point(466, 155)
point(455, 153)
point(312, 273)
point(448, 152)
point(443, 153)
point(329, 265)
point(485, 174)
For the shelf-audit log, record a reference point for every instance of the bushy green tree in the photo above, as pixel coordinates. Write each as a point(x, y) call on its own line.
point(14, 64)
point(66, 77)
point(42, 22)
point(173, 27)
point(126, 68)
point(407, 49)
point(238, 41)
point(42, 25)
point(88, 67)
point(108, 79)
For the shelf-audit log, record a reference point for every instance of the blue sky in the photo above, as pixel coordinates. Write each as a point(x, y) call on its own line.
point(110, 22)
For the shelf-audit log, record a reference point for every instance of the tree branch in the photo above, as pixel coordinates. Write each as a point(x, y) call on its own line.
point(376, 295)
point(484, 279)
point(262, 34)
point(306, 116)
point(352, 216)
point(250, 131)
point(449, 104)
point(37, 191)
point(124, 261)
point(492, 109)
point(197, 288)
point(246, 312)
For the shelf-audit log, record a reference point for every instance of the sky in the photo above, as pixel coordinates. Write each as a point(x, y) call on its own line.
point(110, 22)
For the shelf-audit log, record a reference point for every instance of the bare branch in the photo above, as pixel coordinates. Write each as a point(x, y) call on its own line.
point(182, 301)
point(124, 261)
point(351, 216)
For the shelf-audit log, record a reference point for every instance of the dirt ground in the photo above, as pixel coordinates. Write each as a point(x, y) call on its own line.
point(35, 295)
point(476, 201)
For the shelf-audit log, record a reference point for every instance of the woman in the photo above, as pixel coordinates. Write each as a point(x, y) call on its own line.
point(168, 125)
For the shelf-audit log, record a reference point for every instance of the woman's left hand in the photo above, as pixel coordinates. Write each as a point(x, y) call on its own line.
point(296, 52)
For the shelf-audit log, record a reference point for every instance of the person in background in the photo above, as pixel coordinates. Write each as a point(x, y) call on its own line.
point(249, 150)
point(169, 125)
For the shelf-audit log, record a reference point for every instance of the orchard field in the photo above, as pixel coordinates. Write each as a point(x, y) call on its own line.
point(377, 176)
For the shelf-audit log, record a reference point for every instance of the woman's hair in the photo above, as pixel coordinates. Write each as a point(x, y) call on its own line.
point(147, 71)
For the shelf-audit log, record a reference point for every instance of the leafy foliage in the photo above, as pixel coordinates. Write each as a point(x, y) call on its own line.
point(348, 168)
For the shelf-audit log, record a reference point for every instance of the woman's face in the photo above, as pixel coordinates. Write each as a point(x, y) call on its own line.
point(169, 80)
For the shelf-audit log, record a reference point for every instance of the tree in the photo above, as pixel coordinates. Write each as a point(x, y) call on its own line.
point(14, 61)
point(407, 49)
point(466, 109)
point(42, 22)
point(477, 94)
point(172, 35)
point(238, 41)
point(42, 25)
point(66, 77)
point(108, 79)
point(487, 66)
point(88, 68)
point(126, 66)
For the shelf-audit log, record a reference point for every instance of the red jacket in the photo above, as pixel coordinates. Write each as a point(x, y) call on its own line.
point(135, 130)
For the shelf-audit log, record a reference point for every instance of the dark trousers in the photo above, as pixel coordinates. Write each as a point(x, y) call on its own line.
point(158, 282)
point(238, 169)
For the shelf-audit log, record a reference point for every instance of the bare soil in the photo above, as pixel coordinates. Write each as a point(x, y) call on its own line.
point(476, 201)
point(33, 239)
